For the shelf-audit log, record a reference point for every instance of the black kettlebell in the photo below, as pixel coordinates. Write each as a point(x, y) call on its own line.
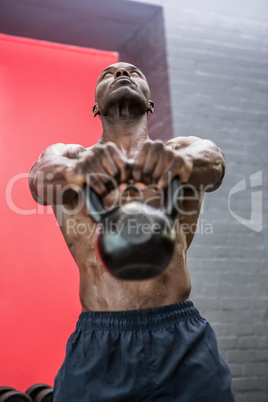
point(135, 241)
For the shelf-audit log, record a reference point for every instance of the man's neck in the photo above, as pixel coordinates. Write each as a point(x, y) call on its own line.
point(127, 134)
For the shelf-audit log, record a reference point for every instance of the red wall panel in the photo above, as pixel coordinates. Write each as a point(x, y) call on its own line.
point(46, 96)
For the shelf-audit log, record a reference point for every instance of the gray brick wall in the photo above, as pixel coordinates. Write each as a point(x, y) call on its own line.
point(218, 70)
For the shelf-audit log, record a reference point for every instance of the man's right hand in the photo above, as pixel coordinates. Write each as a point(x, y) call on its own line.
point(102, 167)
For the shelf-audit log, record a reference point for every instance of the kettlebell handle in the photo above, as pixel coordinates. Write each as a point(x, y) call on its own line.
point(172, 201)
point(173, 198)
point(93, 203)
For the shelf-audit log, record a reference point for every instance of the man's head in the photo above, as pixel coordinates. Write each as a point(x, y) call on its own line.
point(122, 83)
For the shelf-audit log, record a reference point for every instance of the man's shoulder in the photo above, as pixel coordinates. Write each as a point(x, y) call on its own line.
point(61, 149)
point(181, 142)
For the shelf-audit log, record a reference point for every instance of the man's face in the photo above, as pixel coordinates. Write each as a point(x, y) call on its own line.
point(122, 82)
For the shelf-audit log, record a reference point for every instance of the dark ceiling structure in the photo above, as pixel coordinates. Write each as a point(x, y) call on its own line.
point(134, 30)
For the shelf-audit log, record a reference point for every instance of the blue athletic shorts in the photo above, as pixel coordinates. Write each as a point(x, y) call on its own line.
point(162, 354)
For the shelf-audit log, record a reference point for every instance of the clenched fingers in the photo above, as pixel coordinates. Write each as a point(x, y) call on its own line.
point(102, 167)
point(156, 163)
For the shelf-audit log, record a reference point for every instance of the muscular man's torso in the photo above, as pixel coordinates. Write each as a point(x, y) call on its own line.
point(99, 291)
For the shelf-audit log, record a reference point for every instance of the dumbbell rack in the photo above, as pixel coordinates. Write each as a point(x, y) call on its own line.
point(36, 393)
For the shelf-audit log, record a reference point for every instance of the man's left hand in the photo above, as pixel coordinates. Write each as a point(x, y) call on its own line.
point(156, 163)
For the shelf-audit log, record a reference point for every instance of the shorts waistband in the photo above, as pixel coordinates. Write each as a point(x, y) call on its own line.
point(137, 319)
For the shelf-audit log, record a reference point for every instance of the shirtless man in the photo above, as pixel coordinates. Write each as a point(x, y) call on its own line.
point(134, 340)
